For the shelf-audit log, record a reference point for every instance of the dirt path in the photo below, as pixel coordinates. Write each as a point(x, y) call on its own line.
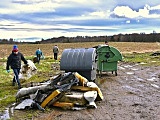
point(132, 95)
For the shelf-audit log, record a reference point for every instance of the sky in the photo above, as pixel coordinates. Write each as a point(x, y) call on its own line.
point(32, 20)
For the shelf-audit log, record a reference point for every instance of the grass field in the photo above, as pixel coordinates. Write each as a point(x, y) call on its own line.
point(132, 52)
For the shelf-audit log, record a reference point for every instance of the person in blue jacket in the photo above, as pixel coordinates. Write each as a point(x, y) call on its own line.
point(39, 54)
point(14, 61)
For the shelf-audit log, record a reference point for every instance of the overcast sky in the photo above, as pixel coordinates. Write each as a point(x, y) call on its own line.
point(37, 19)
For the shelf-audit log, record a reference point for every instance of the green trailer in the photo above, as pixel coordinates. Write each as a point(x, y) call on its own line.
point(107, 59)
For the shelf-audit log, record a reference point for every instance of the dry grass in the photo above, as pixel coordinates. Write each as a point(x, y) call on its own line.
point(123, 47)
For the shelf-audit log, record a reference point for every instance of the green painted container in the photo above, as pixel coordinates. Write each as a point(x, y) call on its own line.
point(107, 59)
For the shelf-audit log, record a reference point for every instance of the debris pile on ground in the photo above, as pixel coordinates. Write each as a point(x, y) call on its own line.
point(27, 70)
point(66, 90)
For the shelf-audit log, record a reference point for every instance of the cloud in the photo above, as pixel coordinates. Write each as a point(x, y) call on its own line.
point(155, 7)
point(18, 7)
point(146, 12)
point(126, 11)
point(53, 18)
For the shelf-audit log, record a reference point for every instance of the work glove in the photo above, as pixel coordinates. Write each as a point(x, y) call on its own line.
point(8, 71)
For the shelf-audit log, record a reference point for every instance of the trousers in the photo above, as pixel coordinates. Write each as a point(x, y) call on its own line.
point(16, 76)
point(38, 58)
point(55, 56)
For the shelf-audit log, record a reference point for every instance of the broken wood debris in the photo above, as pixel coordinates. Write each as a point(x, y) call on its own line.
point(68, 91)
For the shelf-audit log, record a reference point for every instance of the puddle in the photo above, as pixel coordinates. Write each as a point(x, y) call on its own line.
point(128, 66)
point(134, 69)
point(130, 73)
point(131, 89)
point(121, 68)
point(140, 79)
point(155, 86)
point(7, 113)
point(151, 79)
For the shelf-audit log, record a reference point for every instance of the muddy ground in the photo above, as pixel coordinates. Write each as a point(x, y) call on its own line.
point(132, 95)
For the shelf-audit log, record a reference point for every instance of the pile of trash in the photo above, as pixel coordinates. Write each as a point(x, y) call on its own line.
point(66, 90)
point(27, 70)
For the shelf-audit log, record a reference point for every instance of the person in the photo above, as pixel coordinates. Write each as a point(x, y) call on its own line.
point(55, 52)
point(38, 55)
point(14, 61)
point(106, 43)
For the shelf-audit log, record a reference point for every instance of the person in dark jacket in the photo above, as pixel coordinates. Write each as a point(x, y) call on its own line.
point(14, 61)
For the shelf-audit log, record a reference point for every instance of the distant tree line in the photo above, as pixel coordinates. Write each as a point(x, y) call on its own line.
point(153, 37)
point(12, 41)
point(5, 41)
point(63, 39)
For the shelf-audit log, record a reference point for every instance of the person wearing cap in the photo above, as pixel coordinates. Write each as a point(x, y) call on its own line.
point(14, 61)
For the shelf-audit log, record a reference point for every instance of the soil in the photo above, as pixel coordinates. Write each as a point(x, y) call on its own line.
point(134, 94)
